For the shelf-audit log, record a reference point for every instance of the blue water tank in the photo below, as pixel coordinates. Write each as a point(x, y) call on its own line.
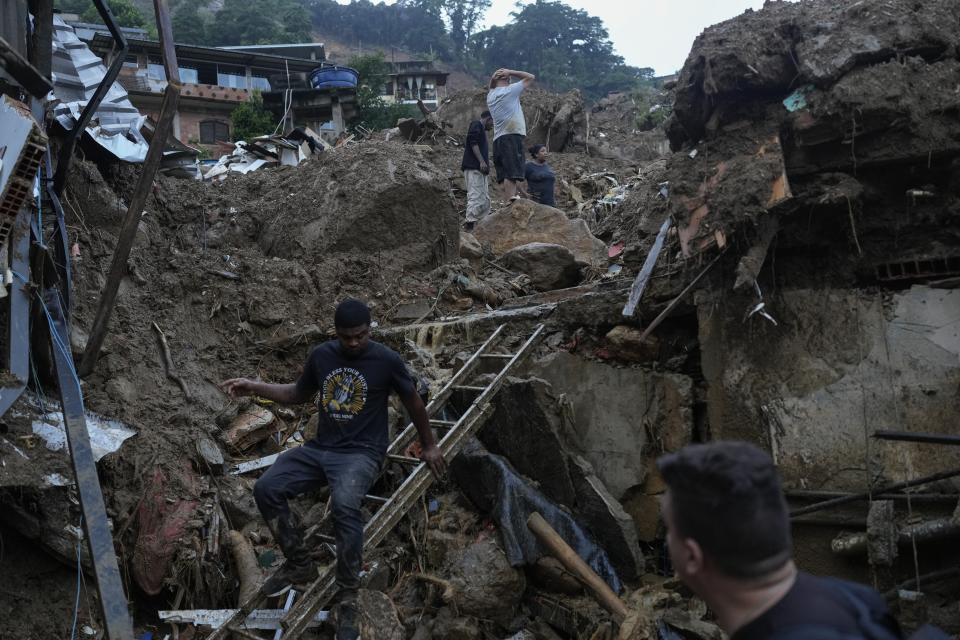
point(333, 77)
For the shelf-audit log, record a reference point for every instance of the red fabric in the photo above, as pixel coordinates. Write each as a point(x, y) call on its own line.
point(162, 529)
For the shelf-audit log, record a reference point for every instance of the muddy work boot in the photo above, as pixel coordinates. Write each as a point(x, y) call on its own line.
point(348, 620)
point(288, 576)
point(299, 569)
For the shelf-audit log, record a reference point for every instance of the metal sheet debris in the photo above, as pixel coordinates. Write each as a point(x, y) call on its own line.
point(259, 619)
point(106, 435)
point(76, 73)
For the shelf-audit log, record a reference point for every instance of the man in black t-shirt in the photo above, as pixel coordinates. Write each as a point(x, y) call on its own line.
point(728, 533)
point(350, 380)
point(476, 169)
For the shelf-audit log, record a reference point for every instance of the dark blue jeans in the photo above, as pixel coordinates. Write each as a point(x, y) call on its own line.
point(307, 468)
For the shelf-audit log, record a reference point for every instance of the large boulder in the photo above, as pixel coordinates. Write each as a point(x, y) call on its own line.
point(526, 221)
point(484, 583)
point(550, 266)
point(375, 199)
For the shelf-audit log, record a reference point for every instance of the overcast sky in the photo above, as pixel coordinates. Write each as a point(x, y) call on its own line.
point(647, 33)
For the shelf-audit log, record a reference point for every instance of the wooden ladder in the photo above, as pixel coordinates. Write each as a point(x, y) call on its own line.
point(418, 477)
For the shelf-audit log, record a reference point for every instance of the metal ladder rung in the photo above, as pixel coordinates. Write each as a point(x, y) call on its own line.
point(379, 499)
point(469, 388)
point(500, 356)
point(443, 423)
point(404, 460)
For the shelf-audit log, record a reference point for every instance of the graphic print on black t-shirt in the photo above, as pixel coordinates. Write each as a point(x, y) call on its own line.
point(343, 394)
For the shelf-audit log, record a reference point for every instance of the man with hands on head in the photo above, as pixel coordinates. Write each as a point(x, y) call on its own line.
point(509, 127)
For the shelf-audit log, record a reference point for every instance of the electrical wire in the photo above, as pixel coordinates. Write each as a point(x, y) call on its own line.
point(76, 602)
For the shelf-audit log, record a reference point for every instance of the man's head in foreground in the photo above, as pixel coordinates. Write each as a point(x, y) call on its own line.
point(352, 323)
point(725, 513)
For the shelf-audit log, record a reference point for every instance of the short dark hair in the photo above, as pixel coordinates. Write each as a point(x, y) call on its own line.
point(351, 313)
point(486, 114)
point(727, 496)
point(535, 149)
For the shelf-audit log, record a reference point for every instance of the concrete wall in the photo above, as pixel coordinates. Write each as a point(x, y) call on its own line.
point(841, 364)
point(622, 415)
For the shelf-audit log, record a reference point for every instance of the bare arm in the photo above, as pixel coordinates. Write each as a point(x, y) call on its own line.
point(479, 157)
point(431, 452)
point(527, 78)
point(282, 393)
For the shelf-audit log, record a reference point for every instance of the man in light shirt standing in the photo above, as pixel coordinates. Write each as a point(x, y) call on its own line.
point(509, 127)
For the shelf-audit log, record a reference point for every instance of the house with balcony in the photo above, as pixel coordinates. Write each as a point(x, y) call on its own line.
point(414, 80)
point(215, 80)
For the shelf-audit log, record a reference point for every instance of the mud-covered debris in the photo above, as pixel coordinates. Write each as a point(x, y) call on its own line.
point(625, 344)
point(378, 617)
point(484, 583)
point(525, 221)
point(251, 426)
point(549, 266)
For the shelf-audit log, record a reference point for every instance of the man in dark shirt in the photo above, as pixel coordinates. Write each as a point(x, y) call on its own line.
point(350, 380)
point(476, 167)
point(728, 533)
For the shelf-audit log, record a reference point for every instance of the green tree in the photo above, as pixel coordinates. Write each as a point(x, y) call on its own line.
point(461, 17)
point(252, 119)
point(373, 112)
point(124, 12)
point(566, 48)
point(190, 25)
point(260, 22)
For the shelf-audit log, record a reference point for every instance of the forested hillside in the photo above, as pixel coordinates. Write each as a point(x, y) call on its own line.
point(565, 47)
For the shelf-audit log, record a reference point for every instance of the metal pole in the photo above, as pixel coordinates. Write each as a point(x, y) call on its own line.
point(66, 152)
point(909, 436)
point(854, 497)
point(118, 267)
point(113, 602)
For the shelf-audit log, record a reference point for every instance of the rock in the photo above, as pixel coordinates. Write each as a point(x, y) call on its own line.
point(378, 186)
point(612, 427)
point(485, 584)
point(250, 426)
point(439, 544)
point(236, 497)
point(378, 616)
point(470, 247)
point(412, 310)
point(549, 266)
point(625, 344)
point(209, 456)
point(525, 221)
point(529, 427)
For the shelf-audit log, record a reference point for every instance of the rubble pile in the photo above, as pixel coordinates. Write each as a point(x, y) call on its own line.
point(796, 261)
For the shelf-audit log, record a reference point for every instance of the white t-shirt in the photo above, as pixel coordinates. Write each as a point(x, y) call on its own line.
point(504, 106)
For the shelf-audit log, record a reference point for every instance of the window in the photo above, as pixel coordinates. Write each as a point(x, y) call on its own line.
point(212, 131)
point(130, 62)
point(260, 83)
point(155, 71)
point(388, 88)
point(188, 75)
point(235, 77)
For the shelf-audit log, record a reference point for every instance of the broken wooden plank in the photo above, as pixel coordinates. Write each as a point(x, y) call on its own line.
point(673, 303)
point(640, 284)
point(748, 269)
point(29, 77)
